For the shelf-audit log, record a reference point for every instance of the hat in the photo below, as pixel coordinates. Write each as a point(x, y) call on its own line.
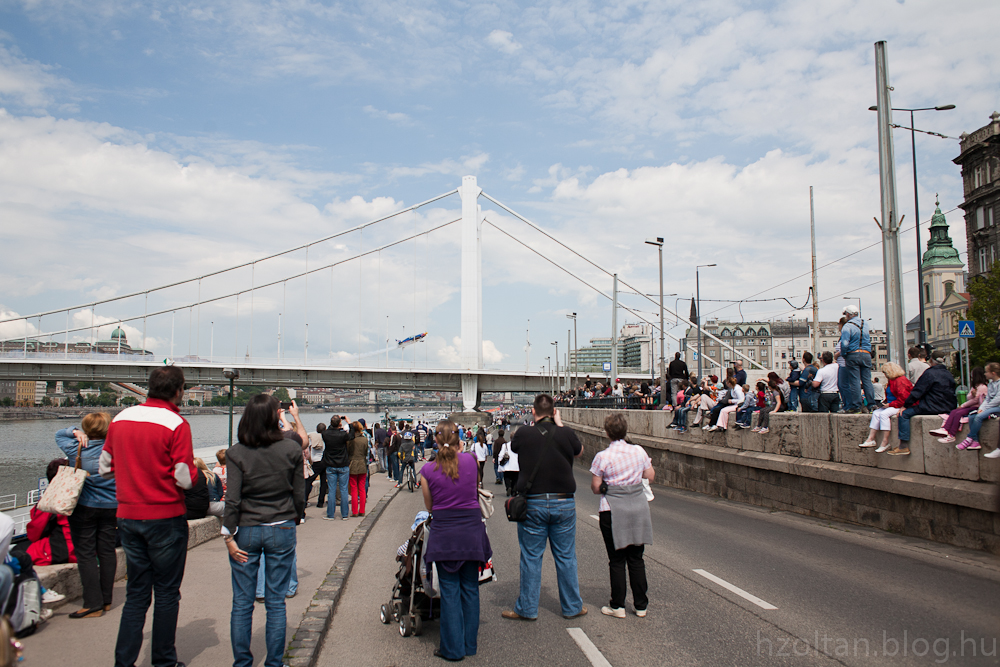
point(420, 518)
point(363, 424)
point(851, 310)
point(713, 378)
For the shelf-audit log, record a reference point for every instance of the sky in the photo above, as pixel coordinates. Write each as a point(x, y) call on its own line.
point(148, 143)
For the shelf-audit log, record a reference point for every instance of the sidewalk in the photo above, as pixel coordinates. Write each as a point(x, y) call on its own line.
point(206, 602)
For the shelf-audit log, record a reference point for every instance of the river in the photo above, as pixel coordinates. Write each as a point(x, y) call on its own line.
point(26, 447)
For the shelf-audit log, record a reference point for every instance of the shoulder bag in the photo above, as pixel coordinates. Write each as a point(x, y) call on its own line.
point(64, 490)
point(485, 503)
point(517, 506)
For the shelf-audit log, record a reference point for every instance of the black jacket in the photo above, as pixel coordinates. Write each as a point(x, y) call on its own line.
point(265, 484)
point(935, 392)
point(678, 370)
point(555, 474)
point(335, 455)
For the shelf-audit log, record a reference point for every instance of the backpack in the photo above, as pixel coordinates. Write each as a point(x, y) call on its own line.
point(24, 606)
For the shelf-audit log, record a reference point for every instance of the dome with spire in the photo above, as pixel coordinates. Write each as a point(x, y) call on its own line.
point(118, 333)
point(940, 251)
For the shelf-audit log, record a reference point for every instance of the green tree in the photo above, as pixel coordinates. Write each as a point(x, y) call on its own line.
point(129, 400)
point(985, 312)
point(46, 401)
point(7, 401)
point(192, 402)
point(282, 394)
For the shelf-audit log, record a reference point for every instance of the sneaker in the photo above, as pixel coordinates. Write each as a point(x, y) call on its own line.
point(641, 613)
point(899, 451)
point(50, 596)
point(618, 612)
point(995, 454)
point(881, 448)
point(967, 444)
point(329, 518)
point(868, 443)
point(706, 427)
point(763, 431)
point(44, 615)
point(939, 433)
point(947, 440)
point(756, 429)
point(713, 428)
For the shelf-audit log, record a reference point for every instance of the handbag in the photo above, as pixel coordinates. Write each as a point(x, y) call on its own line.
point(64, 490)
point(516, 507)
point(485, 503)
point(504, 455)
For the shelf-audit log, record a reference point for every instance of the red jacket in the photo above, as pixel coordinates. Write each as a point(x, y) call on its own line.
point(900, 388)
point(51, 543)
point(148, 451)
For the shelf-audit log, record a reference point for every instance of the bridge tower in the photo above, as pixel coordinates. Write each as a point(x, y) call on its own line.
point(472, 291)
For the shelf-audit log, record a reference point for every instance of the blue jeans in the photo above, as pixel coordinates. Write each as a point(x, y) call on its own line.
point(278, 542)
point(747, 416)
point(338, 477)
point(155, 553)
point(680, 417)
point(857, 379)
point(293, 580)
point(976, 422)
point(793, 399)
point(555, 521)
point(459, 610)
point(904, 424)
point(395, 472)
point(809, 400)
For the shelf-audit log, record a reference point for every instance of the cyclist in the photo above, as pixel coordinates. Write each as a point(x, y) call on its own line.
point(407, 450)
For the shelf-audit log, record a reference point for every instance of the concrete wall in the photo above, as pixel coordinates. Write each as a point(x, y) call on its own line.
point(811, 464)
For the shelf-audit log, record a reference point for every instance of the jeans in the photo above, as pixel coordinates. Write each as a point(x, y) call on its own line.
point(337, 478)
point(618, 559)
point(155, 552)
point(278, 542)
point(809, 400)
point(829, 401)
point(680, 417)
point(93, 532)
point(459, 610)
point(382, 460)
point(293, 580)
point(675, 386)
point(858, 379)
point(976, 422)
point(359, 493)
point(793, 399)
point(395, 473)
point(555, 521)
point(496, 470)
point(904, 424)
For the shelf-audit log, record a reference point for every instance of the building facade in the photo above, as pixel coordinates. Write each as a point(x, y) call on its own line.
point(980, 162)
point(636, 351)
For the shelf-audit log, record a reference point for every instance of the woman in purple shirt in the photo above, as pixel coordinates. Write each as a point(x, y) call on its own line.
point(457, 542)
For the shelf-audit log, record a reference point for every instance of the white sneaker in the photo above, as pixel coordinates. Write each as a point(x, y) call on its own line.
point(44, 615)
point(50, 596)
point(641, 613)
point(611, 611)
point(868, 443)
point(995, 454)
point(882, 448)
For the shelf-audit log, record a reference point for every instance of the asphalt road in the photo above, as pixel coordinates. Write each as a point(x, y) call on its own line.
point(841, 595)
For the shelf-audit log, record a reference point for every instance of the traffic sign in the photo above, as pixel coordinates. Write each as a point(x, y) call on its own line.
point(959, 344)
point(966, 329)
point(607, 366)
point(695, 356)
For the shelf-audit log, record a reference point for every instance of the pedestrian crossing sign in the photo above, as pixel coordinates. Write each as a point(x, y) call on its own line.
point(966, 329)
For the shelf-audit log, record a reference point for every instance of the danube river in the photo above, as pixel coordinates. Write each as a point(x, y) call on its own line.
point(26, 447)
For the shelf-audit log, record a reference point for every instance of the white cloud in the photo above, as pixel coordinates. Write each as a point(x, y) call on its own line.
point(466, 165)
point(395, 117)
point(451, 355)
point(26, 83)
point(503, 41)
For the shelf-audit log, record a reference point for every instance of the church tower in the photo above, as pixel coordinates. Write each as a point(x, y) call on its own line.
point(944, 274)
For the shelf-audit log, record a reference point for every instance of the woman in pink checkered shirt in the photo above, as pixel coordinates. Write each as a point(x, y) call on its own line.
point(618, 472)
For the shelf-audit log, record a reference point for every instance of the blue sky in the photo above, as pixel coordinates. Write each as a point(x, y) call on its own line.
point(141, 143)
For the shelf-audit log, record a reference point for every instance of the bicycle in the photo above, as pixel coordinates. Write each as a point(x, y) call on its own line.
point(411, 476)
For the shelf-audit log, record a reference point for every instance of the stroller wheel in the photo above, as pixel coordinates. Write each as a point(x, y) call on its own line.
point(397, 610)
point(418, 625)
point(385, 614)
point(405, 626)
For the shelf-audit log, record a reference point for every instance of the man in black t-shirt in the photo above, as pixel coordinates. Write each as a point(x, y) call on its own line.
point(546, 451)
point(678, 372)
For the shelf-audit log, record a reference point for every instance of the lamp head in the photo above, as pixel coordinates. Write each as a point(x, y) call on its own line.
point(946, 107)
point(231, 373)
point(658, 241)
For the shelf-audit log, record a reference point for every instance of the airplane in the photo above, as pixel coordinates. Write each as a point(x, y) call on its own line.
point(411, 340)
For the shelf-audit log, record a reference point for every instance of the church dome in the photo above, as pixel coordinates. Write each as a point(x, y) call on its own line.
point(118, 333)
point(940, 251)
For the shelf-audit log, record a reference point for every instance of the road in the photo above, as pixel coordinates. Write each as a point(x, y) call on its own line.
point(842, 595)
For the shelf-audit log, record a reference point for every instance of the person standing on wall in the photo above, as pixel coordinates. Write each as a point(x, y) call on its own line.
point(546, 451)
point(678, 372)
point(856, 349)
point(148, 452)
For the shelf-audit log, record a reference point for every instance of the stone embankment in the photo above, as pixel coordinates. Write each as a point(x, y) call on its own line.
point(811, 464)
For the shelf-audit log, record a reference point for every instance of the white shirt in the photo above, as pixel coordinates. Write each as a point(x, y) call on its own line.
point(827, 378)
point(511, 465)
point(316, 447)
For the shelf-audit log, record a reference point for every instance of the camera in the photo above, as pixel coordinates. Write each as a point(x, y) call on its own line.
point(285, 406)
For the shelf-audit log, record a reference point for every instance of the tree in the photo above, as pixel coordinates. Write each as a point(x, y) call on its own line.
point(129, 400)
point(7, 401)
point(985, 312)
point(282, 395)
point(192, 402)
point(46, 401)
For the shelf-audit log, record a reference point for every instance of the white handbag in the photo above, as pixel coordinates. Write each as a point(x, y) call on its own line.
point(64, 490)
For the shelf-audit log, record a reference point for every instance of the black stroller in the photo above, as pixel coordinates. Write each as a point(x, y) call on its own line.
point(412, 600)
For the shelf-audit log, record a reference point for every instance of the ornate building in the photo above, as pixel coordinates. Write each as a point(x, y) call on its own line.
point(980, 162)
point(944, 276)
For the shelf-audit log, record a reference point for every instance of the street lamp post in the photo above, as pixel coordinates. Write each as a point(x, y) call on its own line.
point(548, 372)
point(576, 353)
point(921, 331)
point(558, 381)
point(851, 298)
point(697, 288)
point(232, 374)
point(658, 242)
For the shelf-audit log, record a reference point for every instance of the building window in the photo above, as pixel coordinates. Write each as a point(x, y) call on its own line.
point(711, 353)
point(980, 217)
point(982, 259)
point(928, 327)
point(989, 216)
point(977, 177)
point(824, 343)
point(751, 354)
point(725, 355)
point(763, 352)
point(949, 287)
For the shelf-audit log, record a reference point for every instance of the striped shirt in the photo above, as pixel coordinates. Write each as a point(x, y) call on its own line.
point(621, 464)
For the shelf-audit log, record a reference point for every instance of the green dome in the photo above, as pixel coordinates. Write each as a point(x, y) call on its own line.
point(118, 333)
point(940, 251)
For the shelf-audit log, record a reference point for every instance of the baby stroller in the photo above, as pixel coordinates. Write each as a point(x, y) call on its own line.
point(412, 597)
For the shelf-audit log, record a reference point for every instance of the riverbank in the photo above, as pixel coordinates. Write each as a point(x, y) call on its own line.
point(76, 412)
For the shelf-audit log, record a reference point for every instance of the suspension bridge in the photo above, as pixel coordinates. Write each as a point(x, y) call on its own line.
point(47, 352)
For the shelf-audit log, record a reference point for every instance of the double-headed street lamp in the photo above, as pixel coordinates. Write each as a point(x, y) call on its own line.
point(658, 242)
point(922, 333)
point(697, 287)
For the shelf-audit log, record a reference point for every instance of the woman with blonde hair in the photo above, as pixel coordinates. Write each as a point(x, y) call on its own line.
point(899, 387)
point(94, 524)
point(216, 490)
point(459, 544)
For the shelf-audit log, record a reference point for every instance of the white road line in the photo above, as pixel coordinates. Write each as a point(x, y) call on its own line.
point(735, 589)
point(596, 658)
point(595, 517)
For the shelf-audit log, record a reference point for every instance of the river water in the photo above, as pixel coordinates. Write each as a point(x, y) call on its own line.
point(26, 447)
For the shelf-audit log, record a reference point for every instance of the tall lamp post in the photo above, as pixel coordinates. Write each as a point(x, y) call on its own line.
point(232, 374)
point(548, 372)
point(697, 288)
point(921, 332)
point(658, 242)
point(851, 298)
point(576, 360)
point(558, 381)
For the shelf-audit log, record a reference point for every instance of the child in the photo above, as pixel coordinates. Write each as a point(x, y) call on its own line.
point(989, 406)
point(220, 468)
point(754, 402)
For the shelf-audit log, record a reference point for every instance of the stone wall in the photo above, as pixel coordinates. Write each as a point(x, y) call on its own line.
point(811, 464)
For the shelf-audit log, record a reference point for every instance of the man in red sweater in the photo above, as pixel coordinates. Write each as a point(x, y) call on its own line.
point(149, 454)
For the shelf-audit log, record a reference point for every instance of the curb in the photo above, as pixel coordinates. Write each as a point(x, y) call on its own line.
point(307, 640)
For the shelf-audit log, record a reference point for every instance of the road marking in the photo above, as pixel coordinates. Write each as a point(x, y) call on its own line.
point(593, 654)
point(595, 517)
point(736, 589)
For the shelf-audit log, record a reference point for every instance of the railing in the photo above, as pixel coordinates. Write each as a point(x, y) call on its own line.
point(613, 403)
point(8, 502)
point(34, 496)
